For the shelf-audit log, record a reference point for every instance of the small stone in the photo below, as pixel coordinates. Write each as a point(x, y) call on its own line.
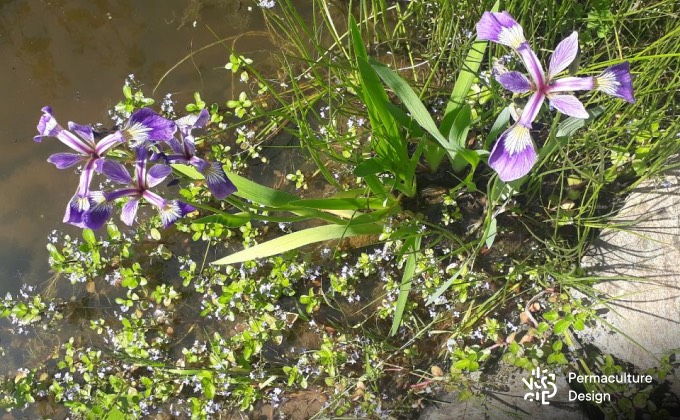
point(436, 371)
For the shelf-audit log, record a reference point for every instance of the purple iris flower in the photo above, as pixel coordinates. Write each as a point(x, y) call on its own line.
point(146, 125)
point(137, 189)
point(184, 152)
point(88, 151)
point(514, 153)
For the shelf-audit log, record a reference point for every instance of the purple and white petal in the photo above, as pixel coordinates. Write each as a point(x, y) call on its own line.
point(129, 211)
point(140, 167)
point(99, 165)
point(533, 66)
point(616, 81)
point(176, 145)
point(514, 154)
point(84, 131)
point(220, 186)
point(75, 142)
point(47, 125)
point(173, 210)
point(123, 192)
point(189, 145)
point(500, 28)
point(175, 159)
point(65, 160)
point(564, 55)
point(200, 164)
point(568, 105)
point(192, 121)
point(531, 109)
point(157, 174)
point(116, 172)
point(146, 125)
point(153, 199)
point(86, 177)
point(109, 142)
point(100, 211)
point(571, 84)
point(75, 209)
point(514, 81)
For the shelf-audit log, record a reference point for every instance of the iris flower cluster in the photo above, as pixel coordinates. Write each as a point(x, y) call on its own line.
point(155, 141)
point(514, 154)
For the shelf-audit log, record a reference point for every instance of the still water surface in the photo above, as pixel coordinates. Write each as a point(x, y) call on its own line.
point(74, 56)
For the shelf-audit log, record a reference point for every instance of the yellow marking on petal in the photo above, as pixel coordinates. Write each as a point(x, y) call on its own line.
point(517, 140)
point(512, 36)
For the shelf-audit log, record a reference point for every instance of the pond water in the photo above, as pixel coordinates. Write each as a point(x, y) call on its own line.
point(75, 56)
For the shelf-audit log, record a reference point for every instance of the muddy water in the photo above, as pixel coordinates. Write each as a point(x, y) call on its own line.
point(74, 55)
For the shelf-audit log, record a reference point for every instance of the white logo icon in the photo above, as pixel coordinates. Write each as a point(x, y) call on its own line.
point(541, 386)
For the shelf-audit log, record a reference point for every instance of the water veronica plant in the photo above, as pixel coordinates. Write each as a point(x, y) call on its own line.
point(514, 154)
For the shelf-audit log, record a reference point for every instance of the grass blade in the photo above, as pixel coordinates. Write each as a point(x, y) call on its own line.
point(445, 286)
point(412, 247)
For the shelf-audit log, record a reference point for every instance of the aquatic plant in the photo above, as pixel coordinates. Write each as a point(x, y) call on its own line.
point(439, 259)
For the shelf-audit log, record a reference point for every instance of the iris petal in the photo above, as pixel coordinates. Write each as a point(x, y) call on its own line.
point(564, 54)
point(75, 142)
point(220, 186)
point(109, 142)
point(65, 160)
point(192, 121)
point(531, 109)
point(129, 211)
point(75, 209)
point(500, 27)
point(86, 176)
point(532, 64)
point(514, 154)
point(616, 81)
point(570, 84)
point(84, 131)
point(47, 125)
point(146, 125)
point(514, 81)
point(157, 174)
point(176, 146)
point(116, 172)
point(100, 211)
point(569, 105)
point(172, 211)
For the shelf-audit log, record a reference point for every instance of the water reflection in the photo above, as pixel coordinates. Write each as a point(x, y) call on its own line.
point(74, 55)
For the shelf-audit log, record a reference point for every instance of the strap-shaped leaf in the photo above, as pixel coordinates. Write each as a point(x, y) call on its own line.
point(411, 101)
point(340, 203)
point(298, 239)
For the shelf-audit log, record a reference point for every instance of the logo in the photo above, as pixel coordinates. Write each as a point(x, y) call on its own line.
point(541, 386)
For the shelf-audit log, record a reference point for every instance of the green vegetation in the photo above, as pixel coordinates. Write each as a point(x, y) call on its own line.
point(370, 256)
